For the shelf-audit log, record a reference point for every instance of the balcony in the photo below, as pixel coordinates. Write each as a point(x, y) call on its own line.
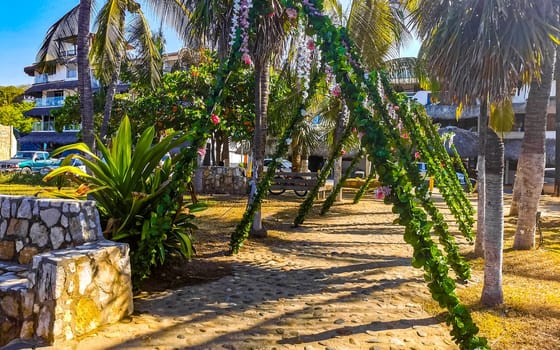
point(49, 126)
point(41, 79)
point(49, 101)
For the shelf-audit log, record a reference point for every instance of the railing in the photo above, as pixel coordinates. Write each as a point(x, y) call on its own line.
point(42, 78)
point(49, 101)
point(49, 126)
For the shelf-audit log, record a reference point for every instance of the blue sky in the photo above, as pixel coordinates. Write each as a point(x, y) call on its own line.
point(24, 23)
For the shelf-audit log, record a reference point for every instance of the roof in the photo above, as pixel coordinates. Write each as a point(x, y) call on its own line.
point(39, 111)
point(61, 138)
point(57, 85)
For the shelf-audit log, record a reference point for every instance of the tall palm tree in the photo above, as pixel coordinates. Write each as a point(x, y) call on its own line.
point(531, 162)
point(84, 77)
point(479, 50)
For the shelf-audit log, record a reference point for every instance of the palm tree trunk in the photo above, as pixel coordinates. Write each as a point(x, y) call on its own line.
point(84, 77)
point(530, 166)
point(481, 178)
point(259, 138)
point(341, 124)
point(109, 97)
point(492, 293)
point(557, 121)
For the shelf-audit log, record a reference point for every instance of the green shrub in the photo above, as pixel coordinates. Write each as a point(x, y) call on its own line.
point(131, 184)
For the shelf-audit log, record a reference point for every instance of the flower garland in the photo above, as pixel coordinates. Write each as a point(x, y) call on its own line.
point(240, 22)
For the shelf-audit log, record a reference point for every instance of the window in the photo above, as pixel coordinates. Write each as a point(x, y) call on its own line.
point(71, 71)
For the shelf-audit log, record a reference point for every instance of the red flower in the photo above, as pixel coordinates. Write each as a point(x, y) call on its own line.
point(246, 59)
point(342, 152)
point(291, 13)
point(215, 119)
point(311, 44)
point(354, 130)
point(405, 135)
point(416, 155)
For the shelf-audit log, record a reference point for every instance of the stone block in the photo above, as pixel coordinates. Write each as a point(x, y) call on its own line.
point(26, 255)
point(7, 250)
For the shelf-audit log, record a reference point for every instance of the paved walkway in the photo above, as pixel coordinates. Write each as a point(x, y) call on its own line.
point(339, 282)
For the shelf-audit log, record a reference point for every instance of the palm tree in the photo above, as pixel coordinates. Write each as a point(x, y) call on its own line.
point(110, 47)
point(530, 167)
point(460, 41)
point(531, 162)
point(84, 77)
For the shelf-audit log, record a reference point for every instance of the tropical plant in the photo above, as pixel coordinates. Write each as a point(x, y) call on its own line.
point(12, 114)
point(129, 182)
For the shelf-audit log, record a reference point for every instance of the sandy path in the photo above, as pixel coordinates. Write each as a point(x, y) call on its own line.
point(343, 281)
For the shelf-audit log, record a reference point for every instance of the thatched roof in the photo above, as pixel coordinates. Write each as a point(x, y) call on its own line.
point(465, 141)
point(512, 149)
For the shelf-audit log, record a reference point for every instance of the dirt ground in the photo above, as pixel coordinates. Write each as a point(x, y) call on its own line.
point(339, 281)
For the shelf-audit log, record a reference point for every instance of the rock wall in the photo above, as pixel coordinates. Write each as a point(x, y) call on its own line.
point(59, 278)
point(222, 180)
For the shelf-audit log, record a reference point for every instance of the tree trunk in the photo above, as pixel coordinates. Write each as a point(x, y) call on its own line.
point(341, 124)
point(557, 123)
point(492, 293)
point(109, 97)
point(84, 77)
point(259, 138)
point(530, 166)
point(481, 178)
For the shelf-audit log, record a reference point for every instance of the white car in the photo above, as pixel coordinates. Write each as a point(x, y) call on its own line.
point(285, 165)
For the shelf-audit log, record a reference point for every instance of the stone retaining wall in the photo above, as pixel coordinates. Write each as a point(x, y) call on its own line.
point(222, 180)
point(59, 278)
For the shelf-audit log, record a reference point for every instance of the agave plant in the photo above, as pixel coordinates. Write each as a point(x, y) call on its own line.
point(129, 181)
point(126, 179)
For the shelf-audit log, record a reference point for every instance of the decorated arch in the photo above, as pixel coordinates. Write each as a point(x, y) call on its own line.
point(395, 134)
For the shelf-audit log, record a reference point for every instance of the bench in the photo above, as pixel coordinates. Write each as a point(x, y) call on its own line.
point(300, 183)
point(59, 278)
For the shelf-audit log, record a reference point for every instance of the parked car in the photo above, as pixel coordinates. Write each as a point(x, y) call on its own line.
point(285, 165)
point(29, 161)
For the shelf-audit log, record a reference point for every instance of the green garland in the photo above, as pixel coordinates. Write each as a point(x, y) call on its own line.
point(307, 204)
point(244, 226)
point(332, 196)
point(393, 174)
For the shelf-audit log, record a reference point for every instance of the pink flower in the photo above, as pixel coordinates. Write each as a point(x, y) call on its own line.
point(215, 119)
point(246, 59)
point(396, 108)
point(416, 155)
point(291, 13)
point(405, 135)
point(354, 130)
point(342, 152)
point(201, 151)
point(336, 91)
point(311, 44)
point(360, 135)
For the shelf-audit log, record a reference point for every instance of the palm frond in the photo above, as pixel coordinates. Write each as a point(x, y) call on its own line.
point(65, 27)
point(109, 45)
point(148, 51)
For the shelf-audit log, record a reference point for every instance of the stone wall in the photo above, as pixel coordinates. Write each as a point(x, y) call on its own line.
point(59, 278)
point(29, 226)
point(222, 180)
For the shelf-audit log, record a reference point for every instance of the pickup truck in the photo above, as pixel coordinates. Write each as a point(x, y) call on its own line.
point(29, 161)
